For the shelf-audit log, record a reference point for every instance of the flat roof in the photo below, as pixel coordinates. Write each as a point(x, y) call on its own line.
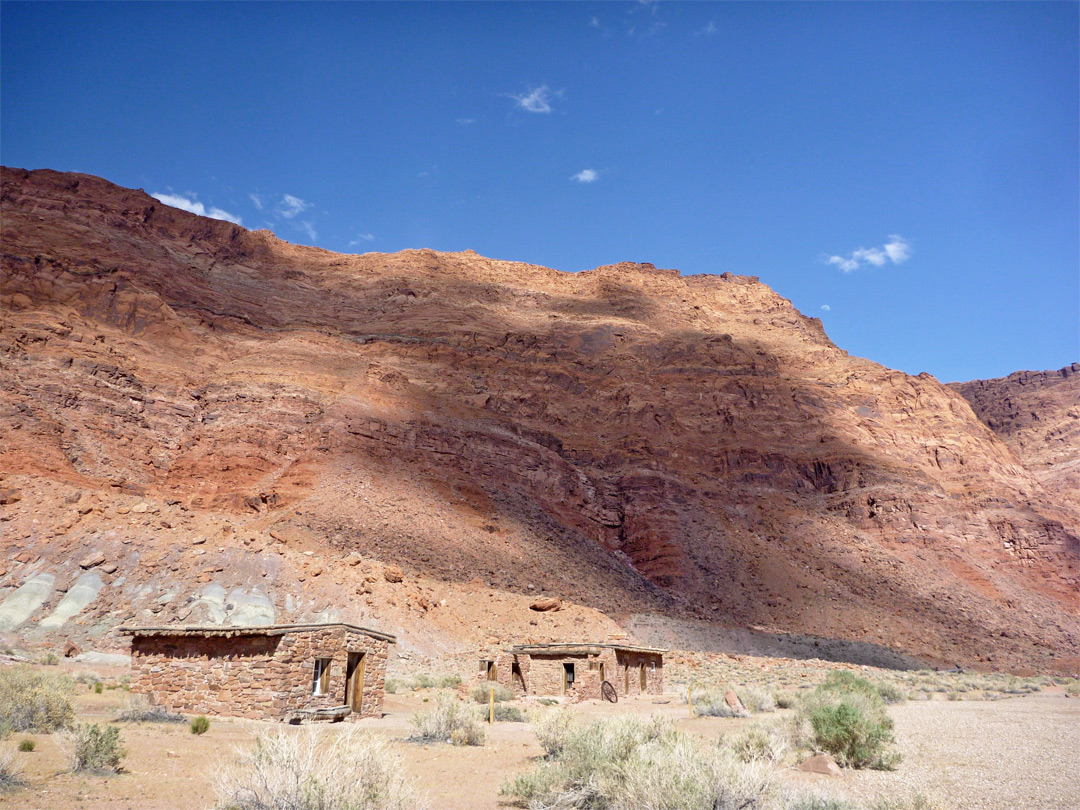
point(580, 648)
point(228, 631)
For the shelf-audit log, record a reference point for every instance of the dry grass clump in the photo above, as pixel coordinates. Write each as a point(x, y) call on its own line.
point(35, 701)
point(450, 721)
point(708, 703)
point(629, 762)
point(420, 681)
point(766, 742)
point(757, 700)
point(316, 770)
point(140, 710)
point(815, 802)
point(10, 775)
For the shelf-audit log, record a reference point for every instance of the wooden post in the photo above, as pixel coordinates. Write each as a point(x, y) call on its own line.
point(491, 705)
point(690, 697)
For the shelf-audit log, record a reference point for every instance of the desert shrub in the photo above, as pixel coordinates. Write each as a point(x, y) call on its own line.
point(27, 745)
point(481, 692)
point(10, 775)
point(552, 730)
point(450, 721)
point(450, 681)
point(50, 660)
point(844, 681)
point(813, 802)
point(316, 770)
point(784, 700)
point(546, 701)
point(36, 701)
point(757, 700)
point(1073, 688)
point(200, 725)
point(393, 686)
point(5, 728)
point(855, 730)
point(761, 741)
point(423, 681)
point(99, 687)
point(629, 762)
point(891, 693)
point(712, 704)
point(139, 710)
point(508, 714)
point(95, 748)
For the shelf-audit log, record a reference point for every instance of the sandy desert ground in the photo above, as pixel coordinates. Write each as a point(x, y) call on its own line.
point(1017, 752)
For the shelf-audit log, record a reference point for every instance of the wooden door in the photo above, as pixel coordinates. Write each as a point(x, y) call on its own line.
point(626, 678)
point(643, 678)
point(354, 682)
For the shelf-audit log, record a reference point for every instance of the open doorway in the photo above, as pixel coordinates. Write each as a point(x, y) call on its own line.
point(568, 678)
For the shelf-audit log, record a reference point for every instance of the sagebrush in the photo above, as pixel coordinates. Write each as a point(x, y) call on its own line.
point(95, 748)
point(481, 693)
point(450, 721)
point(140, 710)
point(34, 701)
point(313, 769)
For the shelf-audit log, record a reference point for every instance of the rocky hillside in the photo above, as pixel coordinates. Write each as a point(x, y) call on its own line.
point(1037, 414)
point(203, 423)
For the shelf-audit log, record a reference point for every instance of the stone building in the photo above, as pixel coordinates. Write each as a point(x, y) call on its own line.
point(275, 672)
point(577, 671)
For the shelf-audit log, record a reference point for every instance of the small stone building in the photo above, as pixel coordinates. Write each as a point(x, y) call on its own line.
point(276, 672)
point(577, 671)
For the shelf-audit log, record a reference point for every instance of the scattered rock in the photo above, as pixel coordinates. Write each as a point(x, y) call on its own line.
point(71, 649)
point(393, 573)
point(96, 558)
point(9, 496)
point(823, 764)
point(547, 604)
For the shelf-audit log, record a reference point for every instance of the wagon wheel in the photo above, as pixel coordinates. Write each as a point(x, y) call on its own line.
point(608, 692)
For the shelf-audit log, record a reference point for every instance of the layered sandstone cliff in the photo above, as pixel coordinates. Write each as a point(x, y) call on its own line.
point(228, 420)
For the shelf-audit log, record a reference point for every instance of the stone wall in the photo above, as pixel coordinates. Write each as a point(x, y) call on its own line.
point(255, 676)
point(542, 674)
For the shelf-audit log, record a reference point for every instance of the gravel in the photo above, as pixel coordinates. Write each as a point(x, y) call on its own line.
point(1014, 754)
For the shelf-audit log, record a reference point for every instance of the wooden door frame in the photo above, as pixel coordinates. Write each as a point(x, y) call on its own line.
point(354, 686)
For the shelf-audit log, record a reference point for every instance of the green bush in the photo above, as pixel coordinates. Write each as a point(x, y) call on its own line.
point(482, 691)
point(449, 681)
point(200, 725)
point(50, 660)
point(855, 731)
point(27, 745)
point(95, 748)
point(393, 686)
point(37, 702)
point(451, 721)
point(99, 687)
point(784, 700)
point(843, 681)
point(422, 681)
point(508, 714)
point(313, 770)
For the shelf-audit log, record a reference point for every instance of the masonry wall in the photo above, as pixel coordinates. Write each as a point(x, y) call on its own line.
point(543, 674)
point(255, 677)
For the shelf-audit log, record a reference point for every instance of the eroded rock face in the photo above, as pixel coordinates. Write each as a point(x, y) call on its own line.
point(1037, 414)
point(625, 438)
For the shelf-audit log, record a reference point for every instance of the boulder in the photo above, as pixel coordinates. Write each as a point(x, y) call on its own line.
point(823, 764)
point(732, 700)
point(393, 573)
point(548, 603)
point(71, 649)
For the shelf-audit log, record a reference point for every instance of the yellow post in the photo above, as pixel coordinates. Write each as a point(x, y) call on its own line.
point(690, 698)
point(491, 705)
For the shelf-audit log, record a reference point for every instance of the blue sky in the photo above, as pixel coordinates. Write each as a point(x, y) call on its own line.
point(907, 172)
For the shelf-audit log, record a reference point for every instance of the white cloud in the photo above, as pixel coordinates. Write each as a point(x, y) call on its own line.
point(537, 100)
point(586, 176)
point(309, 229)
point(193, 206)
point(362, 237)
point(290, 206)
point(466, 121)
point(594, 22)
point(826, 308)
point(255, 198)
point(708, 31)
point(896, 250)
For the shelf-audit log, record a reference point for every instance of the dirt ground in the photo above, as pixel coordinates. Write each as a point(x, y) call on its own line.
point(998, 755)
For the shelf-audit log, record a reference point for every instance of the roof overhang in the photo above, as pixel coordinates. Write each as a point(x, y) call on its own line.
point(225, 631)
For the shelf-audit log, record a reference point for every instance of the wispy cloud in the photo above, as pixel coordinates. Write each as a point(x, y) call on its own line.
point(466, 121)
point(586, 176)
point(257, 200)
point(361, 238)
point(896, 250)
point(193, 206)
point(291, 206)
point(309, 229)
point(594, 22)
point(537, 100)
point(708, 31)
